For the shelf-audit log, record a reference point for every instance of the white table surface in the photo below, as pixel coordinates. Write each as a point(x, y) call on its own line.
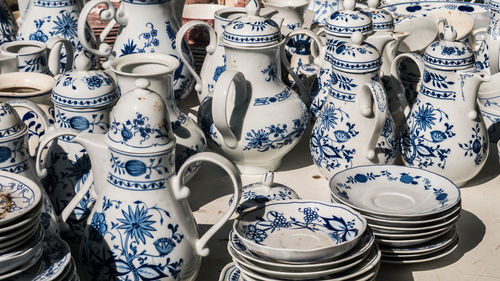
point(477, 257)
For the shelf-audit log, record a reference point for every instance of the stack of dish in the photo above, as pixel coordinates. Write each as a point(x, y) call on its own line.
point(26, 251)
point(301, 240)
point(412, 212)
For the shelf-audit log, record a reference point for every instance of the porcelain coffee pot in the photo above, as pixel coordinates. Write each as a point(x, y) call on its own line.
point(246, 126)
point(8, 25)
point(145, 27)
point(355, 126)
point(141, 226)
point(488, 54)
point(444, 132)
point(290, 11)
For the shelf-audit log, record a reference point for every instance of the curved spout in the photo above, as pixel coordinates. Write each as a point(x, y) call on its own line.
point(379, 39)
point(469, 84)
point(98, 152)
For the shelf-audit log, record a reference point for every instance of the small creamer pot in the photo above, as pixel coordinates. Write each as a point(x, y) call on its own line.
point(141, 226)
point(444, 132)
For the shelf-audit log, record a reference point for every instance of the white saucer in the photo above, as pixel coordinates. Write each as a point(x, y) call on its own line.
point(18, 196)
point(406, 242)
point(406, 236)
point(431, 246)
point(33, 215)
point(407, 223)
point(230, 273)
point(414, 228)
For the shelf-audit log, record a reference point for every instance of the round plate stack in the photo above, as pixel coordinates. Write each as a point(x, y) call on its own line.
point(26, 251)
point(301, 240)
point(412, 212)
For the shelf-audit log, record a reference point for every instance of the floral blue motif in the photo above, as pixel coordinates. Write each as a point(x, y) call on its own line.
point(80, 123)
point(138, 126)
point(270, 72)
point(148, 40)
point(7, 24)
point(65, 25)
point(476, 147)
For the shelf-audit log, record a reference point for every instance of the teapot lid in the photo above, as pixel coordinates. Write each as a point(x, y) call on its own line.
point(448, 53)
point(10, 123)
point(84, 88)
point(355, 56)
point(382, 20)
point(343, 23)
point(252, 30)
point(139, 122)
point(494, 5)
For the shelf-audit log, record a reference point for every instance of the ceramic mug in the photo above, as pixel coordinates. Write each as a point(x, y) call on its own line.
point(34, 87)
point(34, 56)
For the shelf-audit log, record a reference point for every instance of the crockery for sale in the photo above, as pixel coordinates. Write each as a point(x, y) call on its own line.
point(8, 25)
point(427, 247)
point(413, 228)
point(291, 11)
point(282, 230)
point(230, 273)
point(425, 220)
point(29, 250)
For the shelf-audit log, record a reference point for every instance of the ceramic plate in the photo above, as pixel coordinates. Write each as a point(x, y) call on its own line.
point(18, 248)
point(230, 273)
point(277, 272)
point(407, 223)
point(431, 246)
point(300, 230)
point(364, 244)
point(55, 258)
point(413, 229)
point(19, 257)
point(18, 196)
point(394, 191)
point(33, 215)
point(18, 240)
point(382, 235)
point(14, 274)
point(9, 235)
point(426, 257)
point(407, 242)
point(370, 263)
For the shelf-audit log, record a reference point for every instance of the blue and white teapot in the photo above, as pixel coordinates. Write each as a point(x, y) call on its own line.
point(355, 126)
point(141, 226)
point(444, 132)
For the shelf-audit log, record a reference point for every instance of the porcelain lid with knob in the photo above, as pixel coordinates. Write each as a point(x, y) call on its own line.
point(139, 122)
point(343, 23)
point(382, 20)
point(84, 88)
point(355, 56)
point(11, 124)
point(252, 30)
point(448, 53)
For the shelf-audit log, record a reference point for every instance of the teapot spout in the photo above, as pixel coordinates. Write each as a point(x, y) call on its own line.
point(470, 82)
point(98, 152)
point(380, 39)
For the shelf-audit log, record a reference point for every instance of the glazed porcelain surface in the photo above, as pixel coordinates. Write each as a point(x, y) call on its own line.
point(8, 25)
point(19, 194)
point(255, 144)
point(145, 27)
point(437, 134)
point(296, 230)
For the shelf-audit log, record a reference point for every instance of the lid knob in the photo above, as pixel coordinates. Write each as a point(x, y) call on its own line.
point(357, 38)
point(268, 178)
point(253, 8)
point(142, 83)
point(349, 5)
point(449, 33)
point(373, 4)
point(82, 62)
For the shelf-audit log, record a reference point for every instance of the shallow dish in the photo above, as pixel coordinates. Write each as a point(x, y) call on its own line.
point(406, 242)
point(412, 228)
point(299, 230)
point(407, 223)
point(230, 273)
point(404, 236)
point(362, 247)
point(18, 196)
point(18, 240)
point(394, 191)
point(4, 237)
point(430, 246)
point(21, 256)
point(35, 216)
point(425, 257)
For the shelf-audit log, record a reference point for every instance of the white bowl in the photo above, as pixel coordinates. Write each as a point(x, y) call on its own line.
point(300, 230)
point(394, 191)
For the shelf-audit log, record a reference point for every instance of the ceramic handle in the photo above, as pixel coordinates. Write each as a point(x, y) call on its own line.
point(109, 14)
point(378, 108)
point(181, 192)
point(54, 45)
point(470, 94)
point(396, 79)
point(219, 103)
point(210, 48)
point(68, 210)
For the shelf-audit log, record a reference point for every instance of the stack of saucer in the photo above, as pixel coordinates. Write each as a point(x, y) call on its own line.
point(26, 251)
point(412, 212)
point(301, 240)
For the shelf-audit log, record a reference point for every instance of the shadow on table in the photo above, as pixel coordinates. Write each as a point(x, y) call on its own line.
point(471, 231)
point(212, 265)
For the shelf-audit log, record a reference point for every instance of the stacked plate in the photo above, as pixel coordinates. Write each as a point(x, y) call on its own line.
point(26, 251)
point(301, 240)
point(412, 212)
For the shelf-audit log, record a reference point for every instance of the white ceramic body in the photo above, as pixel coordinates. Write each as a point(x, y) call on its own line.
point(290, 11)
point(489, 104)
point(323, 9)
point(147, 27)
point(444, 131)
point(34, 87)
point(8, 25)
point(267, 118)
point(156, 67)
point(343, 132)
point(46, 19)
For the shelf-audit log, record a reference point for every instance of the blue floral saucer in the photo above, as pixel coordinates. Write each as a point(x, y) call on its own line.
point(230, 273)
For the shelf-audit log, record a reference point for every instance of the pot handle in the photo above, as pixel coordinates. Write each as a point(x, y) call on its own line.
point(36, 109)
point(54, 59)
point(109, 14)
point(66, 212)
point(396, 79)
point(219, 103)
point(373, 102)
point(210, 48)
point(181, 192)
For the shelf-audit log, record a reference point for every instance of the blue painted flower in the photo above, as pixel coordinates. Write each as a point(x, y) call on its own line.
point(38, 36)
point(128, 48)
point(253, 233)
point(424, 117)
point(257, 138)
point(328, 116)
point(66, 25)
point(137, 224)
point(341, 230)
point(164, 246)
point(99, 223)
point(310, 215)
point(94, 81)
point(361, 178)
